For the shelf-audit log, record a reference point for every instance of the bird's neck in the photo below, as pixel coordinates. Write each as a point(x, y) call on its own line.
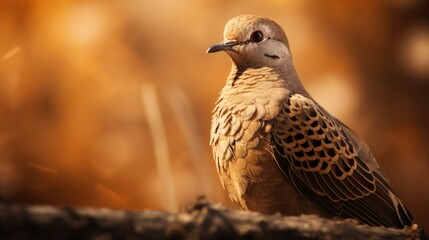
point(245, 76)
point(265, 78)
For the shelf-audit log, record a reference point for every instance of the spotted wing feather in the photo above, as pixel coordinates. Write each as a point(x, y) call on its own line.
point(329, 164)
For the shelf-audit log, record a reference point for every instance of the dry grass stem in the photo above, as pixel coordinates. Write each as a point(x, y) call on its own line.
point(157, 131)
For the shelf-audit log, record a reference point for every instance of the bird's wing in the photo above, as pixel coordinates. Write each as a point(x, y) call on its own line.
point(327, 163)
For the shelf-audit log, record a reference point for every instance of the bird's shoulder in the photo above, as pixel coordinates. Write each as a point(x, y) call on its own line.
point(314, 143)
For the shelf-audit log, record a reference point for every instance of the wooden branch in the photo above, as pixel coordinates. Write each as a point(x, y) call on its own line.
point(202, 221)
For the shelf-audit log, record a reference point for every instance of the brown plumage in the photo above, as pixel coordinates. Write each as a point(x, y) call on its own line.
point(278, 150)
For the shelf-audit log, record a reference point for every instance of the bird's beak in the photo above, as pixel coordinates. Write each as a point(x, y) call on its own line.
point(226, 45)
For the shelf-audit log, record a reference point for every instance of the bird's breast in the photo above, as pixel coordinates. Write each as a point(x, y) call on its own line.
point(239, 138)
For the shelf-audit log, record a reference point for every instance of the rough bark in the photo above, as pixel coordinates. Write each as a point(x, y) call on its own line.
point(202, 221)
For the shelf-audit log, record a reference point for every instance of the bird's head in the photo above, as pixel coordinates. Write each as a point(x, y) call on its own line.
point(253, 41)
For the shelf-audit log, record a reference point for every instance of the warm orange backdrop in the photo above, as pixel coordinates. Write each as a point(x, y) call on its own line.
point(78, 79)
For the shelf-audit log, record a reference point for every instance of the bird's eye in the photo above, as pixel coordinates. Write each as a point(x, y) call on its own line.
point(257, 37)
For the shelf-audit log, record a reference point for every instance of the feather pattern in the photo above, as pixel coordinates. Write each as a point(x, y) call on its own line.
point(322, 154)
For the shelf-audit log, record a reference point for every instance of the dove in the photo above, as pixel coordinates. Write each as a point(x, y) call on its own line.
point(278, 151)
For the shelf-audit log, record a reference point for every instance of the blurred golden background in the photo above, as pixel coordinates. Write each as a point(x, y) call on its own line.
point(108, 103)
